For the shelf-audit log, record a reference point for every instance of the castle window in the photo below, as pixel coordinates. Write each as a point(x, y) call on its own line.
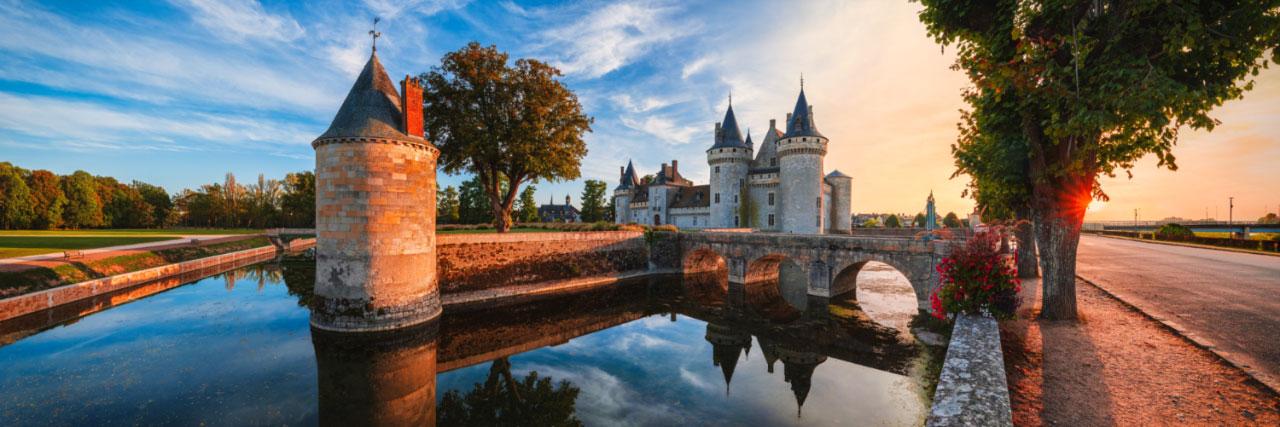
point(819, 203)
point(735, 198)
point(773, 161)
point(771, 220)
point(819, 221)
point(742, 182)
point(695, 220)
point(717, 169)
point(717, 198)
point(771, 202)
point(735, 220)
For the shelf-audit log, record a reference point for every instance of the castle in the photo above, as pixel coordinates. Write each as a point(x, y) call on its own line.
point(780, 188)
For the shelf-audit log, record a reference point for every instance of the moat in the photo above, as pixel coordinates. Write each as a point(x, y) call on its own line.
point(237, 349)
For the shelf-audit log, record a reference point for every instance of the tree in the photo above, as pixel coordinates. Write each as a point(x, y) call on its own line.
point(162, 212)
point(473, 204)
point(16, 203)
point(1096, 86)
point(83, 208)
point(46, 193)
point(512, 124)
point(892, 221)
point(611, 211)
point(528, 209)
point(298, 203)
point(951, 220)
point(648, 178)
point(1270, 218)
point(919, 220)
point(593, 203)
point(871, 223)
point(447, 206)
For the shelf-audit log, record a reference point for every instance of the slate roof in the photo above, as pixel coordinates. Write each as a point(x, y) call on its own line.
point(801, 123)
point(670, 176)
point(641, 195)
point(768, 149)
point(372, 108)
point(697, 196)
point(628, 179)
point(837, 174)
point(730, 135)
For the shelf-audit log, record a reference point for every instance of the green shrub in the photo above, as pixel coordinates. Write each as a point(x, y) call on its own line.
point(1174, 230)
point(666, 227)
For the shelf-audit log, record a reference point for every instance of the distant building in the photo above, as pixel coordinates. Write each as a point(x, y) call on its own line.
point(551, 212)
point(780, 188)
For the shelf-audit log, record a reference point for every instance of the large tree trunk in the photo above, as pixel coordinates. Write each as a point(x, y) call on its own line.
point(1057, 215)
point(1025, 258)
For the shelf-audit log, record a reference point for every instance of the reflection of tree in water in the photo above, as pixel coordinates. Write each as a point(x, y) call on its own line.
point(258, 273)
point(530, 402)
point(300, 278)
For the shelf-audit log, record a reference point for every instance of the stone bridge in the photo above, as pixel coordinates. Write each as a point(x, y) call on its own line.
point(830, 263)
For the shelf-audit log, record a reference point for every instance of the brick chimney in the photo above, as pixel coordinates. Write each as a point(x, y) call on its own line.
point(411, 103)
point(675, 167)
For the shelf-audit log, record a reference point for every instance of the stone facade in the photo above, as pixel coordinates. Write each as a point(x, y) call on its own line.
point(375, 212)
point(472, 262)
point(779, 187)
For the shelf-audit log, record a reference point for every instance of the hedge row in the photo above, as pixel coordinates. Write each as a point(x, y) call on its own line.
point(1258, 245)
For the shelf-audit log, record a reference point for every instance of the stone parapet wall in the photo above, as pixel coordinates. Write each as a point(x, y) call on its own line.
point(474, 262)
point(33, 302)
point(972, 390)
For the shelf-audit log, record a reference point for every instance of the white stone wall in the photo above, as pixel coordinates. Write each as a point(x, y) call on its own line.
point(691, 218)
point(621, 206)
point(762, 209)
point(733, 164)
point(800, 160)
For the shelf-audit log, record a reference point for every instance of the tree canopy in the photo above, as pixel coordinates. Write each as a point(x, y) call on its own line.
point(892, 221)
point(514, 123)
point(1086, 88)
point(593, 203)
point(527, 211)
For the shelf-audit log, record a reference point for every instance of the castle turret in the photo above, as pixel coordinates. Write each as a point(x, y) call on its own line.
point(627, 186)
point(726, 344)
point(841, 201)
point(730, 159)
point(800, 154)
point(375, 210)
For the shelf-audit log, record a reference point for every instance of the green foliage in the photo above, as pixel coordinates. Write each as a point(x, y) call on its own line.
point(951, 220)
point(1065, 90)
point(503, 123)
point(871, 223)
point(645, 180)
point(919, 220)
point(48, 201)
point(16, 203)
point(448, 206)
point(892, 221)
point(593, 203)
point(1176, 230)
point(298, 204)
point(976, 279)
point(473, 204)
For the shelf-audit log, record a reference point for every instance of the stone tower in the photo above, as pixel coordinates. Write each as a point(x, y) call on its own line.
point(800, 153)
point(375, 210)
point(841, 201)
point(622, 194)
point(730, 160)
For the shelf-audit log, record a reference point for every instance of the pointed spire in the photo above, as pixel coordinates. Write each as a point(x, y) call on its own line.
point(800, 122)
point(730, 134)
point(371, 109)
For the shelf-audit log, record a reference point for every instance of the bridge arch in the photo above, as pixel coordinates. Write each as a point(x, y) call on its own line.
point(704, 260)
point(922, 280)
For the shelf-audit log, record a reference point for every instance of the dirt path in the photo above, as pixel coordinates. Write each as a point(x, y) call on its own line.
point(1118, 367)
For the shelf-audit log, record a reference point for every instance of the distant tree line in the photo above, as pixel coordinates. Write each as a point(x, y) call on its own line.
point(469, 204)
point(40, 199)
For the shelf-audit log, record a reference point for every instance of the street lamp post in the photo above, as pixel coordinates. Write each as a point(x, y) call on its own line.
point(1231, 205)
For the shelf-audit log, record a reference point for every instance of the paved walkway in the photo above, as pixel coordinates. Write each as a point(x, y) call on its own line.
point(56, 258)
point(1225, 300)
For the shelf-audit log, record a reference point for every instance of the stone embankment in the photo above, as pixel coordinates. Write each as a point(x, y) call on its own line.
point(50, 298)
point(972, 390)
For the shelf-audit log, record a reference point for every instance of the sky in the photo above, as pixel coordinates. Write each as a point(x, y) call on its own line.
point(178, 93)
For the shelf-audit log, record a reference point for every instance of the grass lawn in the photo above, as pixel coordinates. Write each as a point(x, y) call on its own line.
point(12, 246)
point(513, 230)
point(131, 232)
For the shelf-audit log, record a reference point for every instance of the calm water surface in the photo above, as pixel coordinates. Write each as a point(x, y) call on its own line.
point(236, 349)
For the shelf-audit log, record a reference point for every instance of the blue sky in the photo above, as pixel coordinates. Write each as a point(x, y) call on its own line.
point(178, 93)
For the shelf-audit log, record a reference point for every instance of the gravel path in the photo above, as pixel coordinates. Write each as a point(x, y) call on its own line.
point(1119, 367)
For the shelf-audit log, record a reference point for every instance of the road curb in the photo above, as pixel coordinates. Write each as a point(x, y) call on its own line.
point(1190, 245)
point(1266, 380)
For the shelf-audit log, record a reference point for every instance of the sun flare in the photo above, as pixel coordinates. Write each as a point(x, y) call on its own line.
point(1096, 206)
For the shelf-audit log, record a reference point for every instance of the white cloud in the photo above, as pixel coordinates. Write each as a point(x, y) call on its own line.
point(609, 38)
point(665, 130)
point(387, 9)
point(238, 20)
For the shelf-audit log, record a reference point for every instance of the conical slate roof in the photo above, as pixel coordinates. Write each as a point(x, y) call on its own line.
point(372, 108)
point(801, 123)
point(629, 179)
point(730, 135)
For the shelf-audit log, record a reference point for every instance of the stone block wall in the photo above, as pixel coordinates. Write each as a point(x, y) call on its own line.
point(375, 234)
point(473, 262)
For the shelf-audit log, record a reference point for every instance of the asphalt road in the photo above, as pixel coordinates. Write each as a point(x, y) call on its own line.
point(1228, 300)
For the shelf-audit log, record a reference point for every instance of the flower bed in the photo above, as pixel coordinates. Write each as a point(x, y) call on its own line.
point(978, 279)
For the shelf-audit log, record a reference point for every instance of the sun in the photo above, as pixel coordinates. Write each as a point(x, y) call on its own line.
point(1096, 206)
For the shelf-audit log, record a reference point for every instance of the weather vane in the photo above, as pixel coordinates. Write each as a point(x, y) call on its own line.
point(801, 81)
point(374, 32)
point(730, 99)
